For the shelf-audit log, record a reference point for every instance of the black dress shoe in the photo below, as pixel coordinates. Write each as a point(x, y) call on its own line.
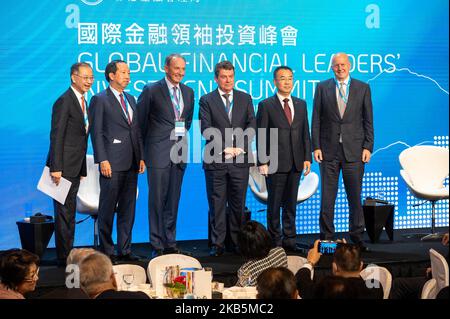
point(129, 257)
point(171, 250)
point(216, 251)
point(156, 253)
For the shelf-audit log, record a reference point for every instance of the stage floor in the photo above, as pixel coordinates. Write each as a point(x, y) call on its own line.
point(403, 257)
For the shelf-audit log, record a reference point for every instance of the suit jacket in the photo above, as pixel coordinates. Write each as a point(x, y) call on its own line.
point(115, 294)
point(356, 126)
point(113, 139)
point(294, 143)
point(213, 115)
point(68, 137)
point(157, 121)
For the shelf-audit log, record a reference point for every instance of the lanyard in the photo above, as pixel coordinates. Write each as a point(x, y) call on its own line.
point(344, 98)
point(231, 107)
point(176, 106)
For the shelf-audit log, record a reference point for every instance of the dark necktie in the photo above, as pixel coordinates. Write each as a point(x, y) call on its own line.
point(287, 111)
point(124, 107)
point(227, 105)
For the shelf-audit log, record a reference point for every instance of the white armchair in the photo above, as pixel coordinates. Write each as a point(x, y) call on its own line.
point(257, 182)
point(128, 275)
point(161, 262)
point(89, 194)
point(424, 171)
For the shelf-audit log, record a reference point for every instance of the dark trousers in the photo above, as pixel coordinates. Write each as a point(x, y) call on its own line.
point(352, 173)
point(226, 187)
point(65, 220)
point(164, 190)
point(117, 194)
point(282, 191)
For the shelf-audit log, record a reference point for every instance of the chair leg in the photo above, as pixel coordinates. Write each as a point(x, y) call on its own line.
point(95, 231)
point(433, 235)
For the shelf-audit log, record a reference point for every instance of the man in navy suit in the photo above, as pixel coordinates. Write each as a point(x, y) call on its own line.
point(165, 111)
point(287, 116)
point(226, 159)
point(67, 155)
point(342, 135)
point(117, 143)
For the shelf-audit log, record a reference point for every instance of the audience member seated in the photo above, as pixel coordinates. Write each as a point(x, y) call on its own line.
point(72, 288)
point(276, 283)
point(411, 287)
point(19, 271)
point(347, 263)
point(98, 281)
point(336, 287)
point(255, 245)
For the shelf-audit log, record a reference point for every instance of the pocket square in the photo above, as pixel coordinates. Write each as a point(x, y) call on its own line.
point(115, 141)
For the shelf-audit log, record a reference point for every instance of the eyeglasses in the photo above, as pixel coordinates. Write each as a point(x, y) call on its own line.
point(283, 79)
point(34, 276)
point(85, 78)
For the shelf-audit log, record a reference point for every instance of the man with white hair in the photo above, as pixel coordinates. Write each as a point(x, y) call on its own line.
point(98, 281)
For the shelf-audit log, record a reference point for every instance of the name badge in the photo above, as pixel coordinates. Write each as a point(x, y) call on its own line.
point(180, 129)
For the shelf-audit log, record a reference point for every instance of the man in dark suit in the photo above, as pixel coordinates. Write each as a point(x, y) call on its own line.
point(228, 124)
point(285, 117)
point(117, 143)
point(67, 155)
point(165, 111)
point(342, 135)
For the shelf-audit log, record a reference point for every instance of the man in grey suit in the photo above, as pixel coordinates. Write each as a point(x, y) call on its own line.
point(67, 155)
point(117, 143)
point(165, 111)
point(342, 136)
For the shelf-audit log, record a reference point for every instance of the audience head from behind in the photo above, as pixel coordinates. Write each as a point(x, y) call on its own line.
point(347, 261)
point(19, 273)
point(336, 287)
point(96, 274)
point(254, 241)
point(76, 255)
point(98, 281)
point(276, 283)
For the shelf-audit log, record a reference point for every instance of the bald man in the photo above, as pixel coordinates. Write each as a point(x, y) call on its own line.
point(342, 137)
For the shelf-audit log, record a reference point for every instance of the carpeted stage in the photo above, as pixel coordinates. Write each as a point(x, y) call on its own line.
point(403, 257)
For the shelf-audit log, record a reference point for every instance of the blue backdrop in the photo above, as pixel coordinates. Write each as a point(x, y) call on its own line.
point(399, 47)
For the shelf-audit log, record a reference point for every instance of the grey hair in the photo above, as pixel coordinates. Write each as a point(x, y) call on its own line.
point(76, 255)
point(95, 269)
point(172, 56)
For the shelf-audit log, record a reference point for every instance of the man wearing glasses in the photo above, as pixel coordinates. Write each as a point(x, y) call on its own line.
point(286, 115)
point(67, 155)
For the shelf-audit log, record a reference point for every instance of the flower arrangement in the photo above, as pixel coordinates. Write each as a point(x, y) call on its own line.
point(174, 283)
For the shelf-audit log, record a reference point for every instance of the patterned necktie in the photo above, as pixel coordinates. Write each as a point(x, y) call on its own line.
point(83, 108)
point(287, 111)
point(227, 104)
point(177, 101)
point(124, 107)
point(341, 102)
point(85, 116)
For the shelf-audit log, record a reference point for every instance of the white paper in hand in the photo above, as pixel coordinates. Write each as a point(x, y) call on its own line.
point(46, 185)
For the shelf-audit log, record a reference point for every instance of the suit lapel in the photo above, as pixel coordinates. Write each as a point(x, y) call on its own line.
point(221, 107)
point(132, 104)
point(186, 102)
point(115, 104)
point(166, 95)
point(331, 92)
point(77, 104)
